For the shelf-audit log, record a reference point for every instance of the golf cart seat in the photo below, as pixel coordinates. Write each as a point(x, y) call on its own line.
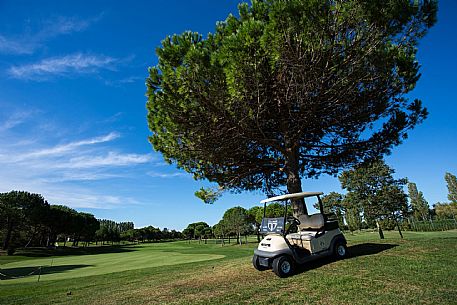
point(313, 222)
point(308, 228)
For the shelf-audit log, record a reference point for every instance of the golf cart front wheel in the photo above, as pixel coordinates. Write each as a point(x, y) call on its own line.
point(283, 266)
point(340, 250)
point(256, 263)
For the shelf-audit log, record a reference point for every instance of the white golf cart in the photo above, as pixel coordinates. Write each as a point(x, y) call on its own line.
point(317, 236)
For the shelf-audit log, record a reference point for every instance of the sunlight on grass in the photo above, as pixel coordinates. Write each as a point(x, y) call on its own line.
point(417, 269)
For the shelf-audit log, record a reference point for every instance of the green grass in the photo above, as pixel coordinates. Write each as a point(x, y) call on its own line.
point(127, 258)
point(421, 269)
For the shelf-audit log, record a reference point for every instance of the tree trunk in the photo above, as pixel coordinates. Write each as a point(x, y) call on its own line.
point(31, 238)
point(294, 182)
point(6, 241)
point(398, 226)
point(381, 234)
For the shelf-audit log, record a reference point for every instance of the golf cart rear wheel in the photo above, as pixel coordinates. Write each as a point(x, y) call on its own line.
point(340, 250)
point(283, 266)
point(256, 263)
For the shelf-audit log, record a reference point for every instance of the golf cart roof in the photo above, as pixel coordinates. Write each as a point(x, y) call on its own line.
point(292, 196)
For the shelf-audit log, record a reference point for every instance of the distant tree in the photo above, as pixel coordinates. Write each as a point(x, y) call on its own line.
point(195, 230)
point(237, 221)
point(372, 187)
point(255, 215)
point(207, 233)
point(202, 231)
point(352, 205)
point(89, 227)
point(188, 233)
point(446, 210)
point(333, 204)
point(111, 231)
point(221, 231)
point(419, 205)
point(289, 89)
point(62, 221)
point(451, 181)
point(11, 216)
point(130, 235)
point(22, 211)
point(276, 209)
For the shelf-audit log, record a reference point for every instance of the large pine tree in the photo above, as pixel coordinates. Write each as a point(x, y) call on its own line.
point(289, 89)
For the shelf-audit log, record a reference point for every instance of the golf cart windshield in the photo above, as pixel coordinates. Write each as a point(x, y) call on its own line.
point(272, 225)
point(277, 224)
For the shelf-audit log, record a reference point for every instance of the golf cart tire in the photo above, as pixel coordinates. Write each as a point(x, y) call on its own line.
point(340, 250)
point(283, 266)
point(256, 264)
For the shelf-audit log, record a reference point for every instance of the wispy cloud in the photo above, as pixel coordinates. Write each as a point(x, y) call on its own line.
point(60, 149)
point(78, 63)
point(12, 46)
point(166, 175)
point(15, 119)
point(28, 43)
point(65, 25)
point(80, 160)
point(112, 159)
point(71, 173)
point(124, 81)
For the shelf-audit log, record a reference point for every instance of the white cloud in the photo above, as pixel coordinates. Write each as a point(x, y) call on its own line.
point(112, 159)
point(70, 64)
point(14, 120)
point(83, 160)
point(61, 149)
point(11, 46)
point(86, 199)
point(64, 25)
point(84, 172)
point(28, 43)
point(124, 81)
point(167, 175)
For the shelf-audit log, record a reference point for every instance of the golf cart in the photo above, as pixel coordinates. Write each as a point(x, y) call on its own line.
point(316, 236)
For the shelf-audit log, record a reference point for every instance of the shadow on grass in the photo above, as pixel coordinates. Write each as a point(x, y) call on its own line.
point(22, 272)
point(64, 251)
point(368, 249)
point(353, 251)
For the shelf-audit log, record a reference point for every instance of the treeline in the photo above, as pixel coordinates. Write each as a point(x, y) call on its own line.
point(236, 223)
point(29, 220)
point(374, 199)
point(111, 231)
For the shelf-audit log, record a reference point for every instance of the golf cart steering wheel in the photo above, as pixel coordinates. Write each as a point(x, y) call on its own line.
point(292, 220)
point(293, 224)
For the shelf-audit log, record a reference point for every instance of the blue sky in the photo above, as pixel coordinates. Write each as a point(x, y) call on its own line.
point(73, 119)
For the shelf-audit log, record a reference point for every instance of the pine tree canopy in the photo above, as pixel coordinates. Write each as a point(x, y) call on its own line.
point(288, 90)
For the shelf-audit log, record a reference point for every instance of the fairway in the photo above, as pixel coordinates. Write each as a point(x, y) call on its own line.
point(128, 258)
point(418, 269)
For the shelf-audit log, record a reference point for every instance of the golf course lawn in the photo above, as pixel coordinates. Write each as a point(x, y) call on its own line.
point(420, 269)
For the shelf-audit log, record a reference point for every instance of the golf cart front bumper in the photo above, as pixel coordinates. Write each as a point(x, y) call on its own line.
point(266, 257)
point(272, 254)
